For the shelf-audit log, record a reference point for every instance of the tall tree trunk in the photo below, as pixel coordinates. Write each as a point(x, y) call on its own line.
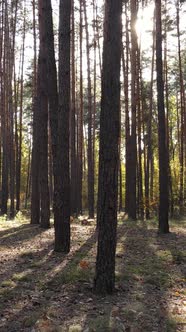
point(133, 148)
point(171, 199)
point(13, 25)
point(90, 117)
point(139, 112)
point(73, 175)
point(19, 157)
point(183, 116)
point(62, 203)
point(42, 93)
point(109, 150)
point(80, 114)
point(125, 60)
point(5, 164)
point(94, 94)
point(149, 132)
point(162, 146)
point(35, 196)
point(52, 91)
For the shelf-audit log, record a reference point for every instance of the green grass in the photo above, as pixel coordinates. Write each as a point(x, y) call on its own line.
point(31, 320)
point(8, 283)
point(21, 277)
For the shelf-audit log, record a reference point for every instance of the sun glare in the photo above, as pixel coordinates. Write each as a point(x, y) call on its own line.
point(144, 26)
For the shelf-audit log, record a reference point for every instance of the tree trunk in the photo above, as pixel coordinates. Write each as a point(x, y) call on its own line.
point(133, 147)
point(163, 153)
point(35, 196)
point(109, 150)
point(90, 122)
point(149, 134)
point(73, 167)
point(80, 115)
point(62, 202)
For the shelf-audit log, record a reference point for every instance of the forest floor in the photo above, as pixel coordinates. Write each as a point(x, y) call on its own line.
point(44, 291)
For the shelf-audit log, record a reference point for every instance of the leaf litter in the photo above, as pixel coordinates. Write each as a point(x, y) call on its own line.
point(44, 291)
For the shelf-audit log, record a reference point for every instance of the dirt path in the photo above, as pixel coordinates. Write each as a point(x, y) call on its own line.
point(44, 291)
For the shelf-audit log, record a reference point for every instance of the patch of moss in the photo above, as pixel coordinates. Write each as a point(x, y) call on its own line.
point(21, 277)
point(29, 321)
point(179, 257)
point(8, 283)
point(171, 325)
point(75, 328)
point(35, 264)
point(160, 280)
point(165, 255)
point(100, 324)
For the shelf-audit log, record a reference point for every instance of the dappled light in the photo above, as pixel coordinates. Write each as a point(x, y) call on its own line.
point(92, 166)
point(40, 288)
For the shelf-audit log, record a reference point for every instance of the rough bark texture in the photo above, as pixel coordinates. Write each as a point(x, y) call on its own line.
point(125, 60)
point(163, 160)
point(149, 136)
point(133, 148)
point(182, 116)
point(35, 197)
point(40, 155)
point(43, 119)
point(109, 150)
point(90, 124)
point(52, 84)
point(80, 114)
point(62, 199)
point(73, 159)
point(19, 157)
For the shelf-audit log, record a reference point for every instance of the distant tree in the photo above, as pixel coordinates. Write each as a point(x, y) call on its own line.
point(52, 93)
point(40, 146)
point(149, 132)
point(132, 208)
point(183, 109)
point(73, 155)
point(109, 148)
point(80, 113)
point(90, 122)
point(20, 124)
point(163, 153)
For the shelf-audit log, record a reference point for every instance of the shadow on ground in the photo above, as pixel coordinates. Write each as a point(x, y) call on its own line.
point(46, 291)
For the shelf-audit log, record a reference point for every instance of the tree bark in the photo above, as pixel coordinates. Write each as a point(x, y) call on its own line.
point(109, 149)
point(62, 203)
point(162, 146)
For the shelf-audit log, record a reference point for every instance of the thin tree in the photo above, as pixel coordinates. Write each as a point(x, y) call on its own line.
point(35, 196)
point(73, 169)
point(90, 123)
point(149, 133)
point(42, 95)
point(19, 156)
point(52, 89)
point(80, 113)
point(133, 147)
point(182, 106)
point(162, 146)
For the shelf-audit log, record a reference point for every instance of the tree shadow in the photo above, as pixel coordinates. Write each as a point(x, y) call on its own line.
point(10, 237)
point(44, 281)
point(57, 289)
point(144, 279)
